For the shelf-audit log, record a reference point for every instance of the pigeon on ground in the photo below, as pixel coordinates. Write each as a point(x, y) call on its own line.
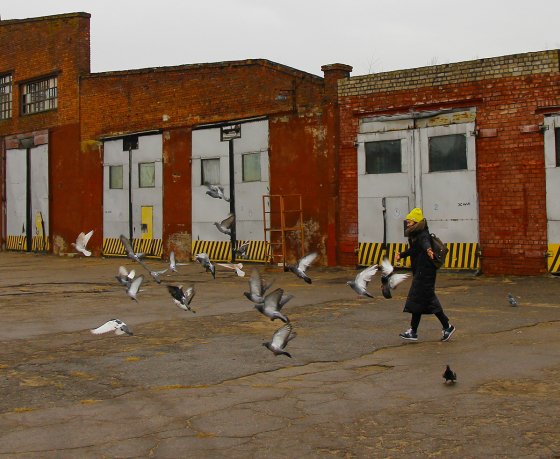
point(280, 339)
point(513, 300)
point(271, 306)
point(173, 264)
point(241, 250)
point(301, 266)
point(124, 277)
point(204, 260)
point(225, 225)
point(182, 298)
point(81, 242)
point(390, 279)
point(216, 191)
point(449, 375)
point(116, 325)
point(237, 266)
point(135, 287)
point(257, 287)
point(359, 284)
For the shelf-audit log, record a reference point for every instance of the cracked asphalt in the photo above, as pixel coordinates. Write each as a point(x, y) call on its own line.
point(202, 385)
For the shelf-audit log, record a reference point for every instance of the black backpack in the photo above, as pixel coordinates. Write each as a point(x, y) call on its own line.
point(440, 251)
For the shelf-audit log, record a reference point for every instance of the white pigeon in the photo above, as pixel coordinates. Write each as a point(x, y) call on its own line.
point(204, 260)
point(280, 339)
point(359, 284)
point(302, 265)
point(81, 242)
point(237, 266)
point(390, 279)
point(173, 263)
point(116, 325)
point(134, 287)
point(226, 224)
point(216, 191)
point(124, 277)
point(273, 304)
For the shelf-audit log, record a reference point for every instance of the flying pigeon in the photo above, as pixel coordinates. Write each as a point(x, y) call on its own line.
point(81, 242)
point(271, 306)
point(257, 287)
point(225, 225)
point(124, 277)
point(449, 375)
point(280, 340)
point(216, 191)
point(237, 266)
point(129, 250)
point(303, 263)
point(181, 297)
point(132, 291)
point(241, 250)
point(390, 279)
point(116, 325)
point(173, 264)
point(156, 274)
point(359, 284)
point(204, 260)
point(513, 300)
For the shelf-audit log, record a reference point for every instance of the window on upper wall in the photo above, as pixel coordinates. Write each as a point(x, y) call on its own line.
point(39, 96)
point(448, 152)
point(252, 167)
point(147, 175)
point(383, 157)
point(210, 170)
point(5, 96)
point(557, 142)
point(116, 177)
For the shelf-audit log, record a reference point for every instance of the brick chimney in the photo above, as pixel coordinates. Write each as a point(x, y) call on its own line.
point(333, 73)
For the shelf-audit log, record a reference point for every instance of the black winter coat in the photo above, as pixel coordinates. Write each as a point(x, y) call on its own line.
point(422, 295)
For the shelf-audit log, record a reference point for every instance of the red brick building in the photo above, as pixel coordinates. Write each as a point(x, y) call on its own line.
point(475, 144)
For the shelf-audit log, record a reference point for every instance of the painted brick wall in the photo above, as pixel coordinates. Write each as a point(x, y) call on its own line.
point(508, 92)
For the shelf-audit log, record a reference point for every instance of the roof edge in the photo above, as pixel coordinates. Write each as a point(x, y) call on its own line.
point(44, 18)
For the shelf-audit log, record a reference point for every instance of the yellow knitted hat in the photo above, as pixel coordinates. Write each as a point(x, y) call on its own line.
point(415, 215)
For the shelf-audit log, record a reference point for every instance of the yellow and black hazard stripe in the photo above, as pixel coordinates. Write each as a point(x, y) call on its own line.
point(553, 259)
point(40, 244)
point(16, 242)
point(461, 255)
point(257, 251)
point(151, 248)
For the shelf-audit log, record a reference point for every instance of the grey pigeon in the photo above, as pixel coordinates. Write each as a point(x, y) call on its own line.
point(241, 250)
point(513, 300)
point(302, 265)
point(124, 277)
point(135, 287)
point(116, 325)
point(173, 263)
point(359, 284)
point(81, 242)
point(204, 260)
point(390, 279)
point(271, 305)
point(257, 287)
point(182, 298)
point(216, 191)
point(280, 339)
point(449, 375)
point(156, 274)
point(129, 249)
point(225, 225)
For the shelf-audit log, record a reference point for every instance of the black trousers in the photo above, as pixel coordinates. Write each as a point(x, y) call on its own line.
point(415, 320)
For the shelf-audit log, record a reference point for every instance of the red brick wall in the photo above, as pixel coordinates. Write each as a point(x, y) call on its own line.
point(510, 167)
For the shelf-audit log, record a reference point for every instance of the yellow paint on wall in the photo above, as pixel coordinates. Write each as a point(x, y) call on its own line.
point(147, 222)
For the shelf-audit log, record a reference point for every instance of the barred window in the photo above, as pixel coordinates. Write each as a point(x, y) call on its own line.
point(5, 97)
point(39, 96)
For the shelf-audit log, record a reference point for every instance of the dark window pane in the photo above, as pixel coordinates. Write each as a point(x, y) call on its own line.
point(383, 157)
point(210, 171)
point(557, 138)
point(448, 152)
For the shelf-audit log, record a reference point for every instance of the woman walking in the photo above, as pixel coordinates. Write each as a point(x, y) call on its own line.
point(422, 297)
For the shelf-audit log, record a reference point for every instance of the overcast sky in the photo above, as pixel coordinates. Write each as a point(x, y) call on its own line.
point(370, 35)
